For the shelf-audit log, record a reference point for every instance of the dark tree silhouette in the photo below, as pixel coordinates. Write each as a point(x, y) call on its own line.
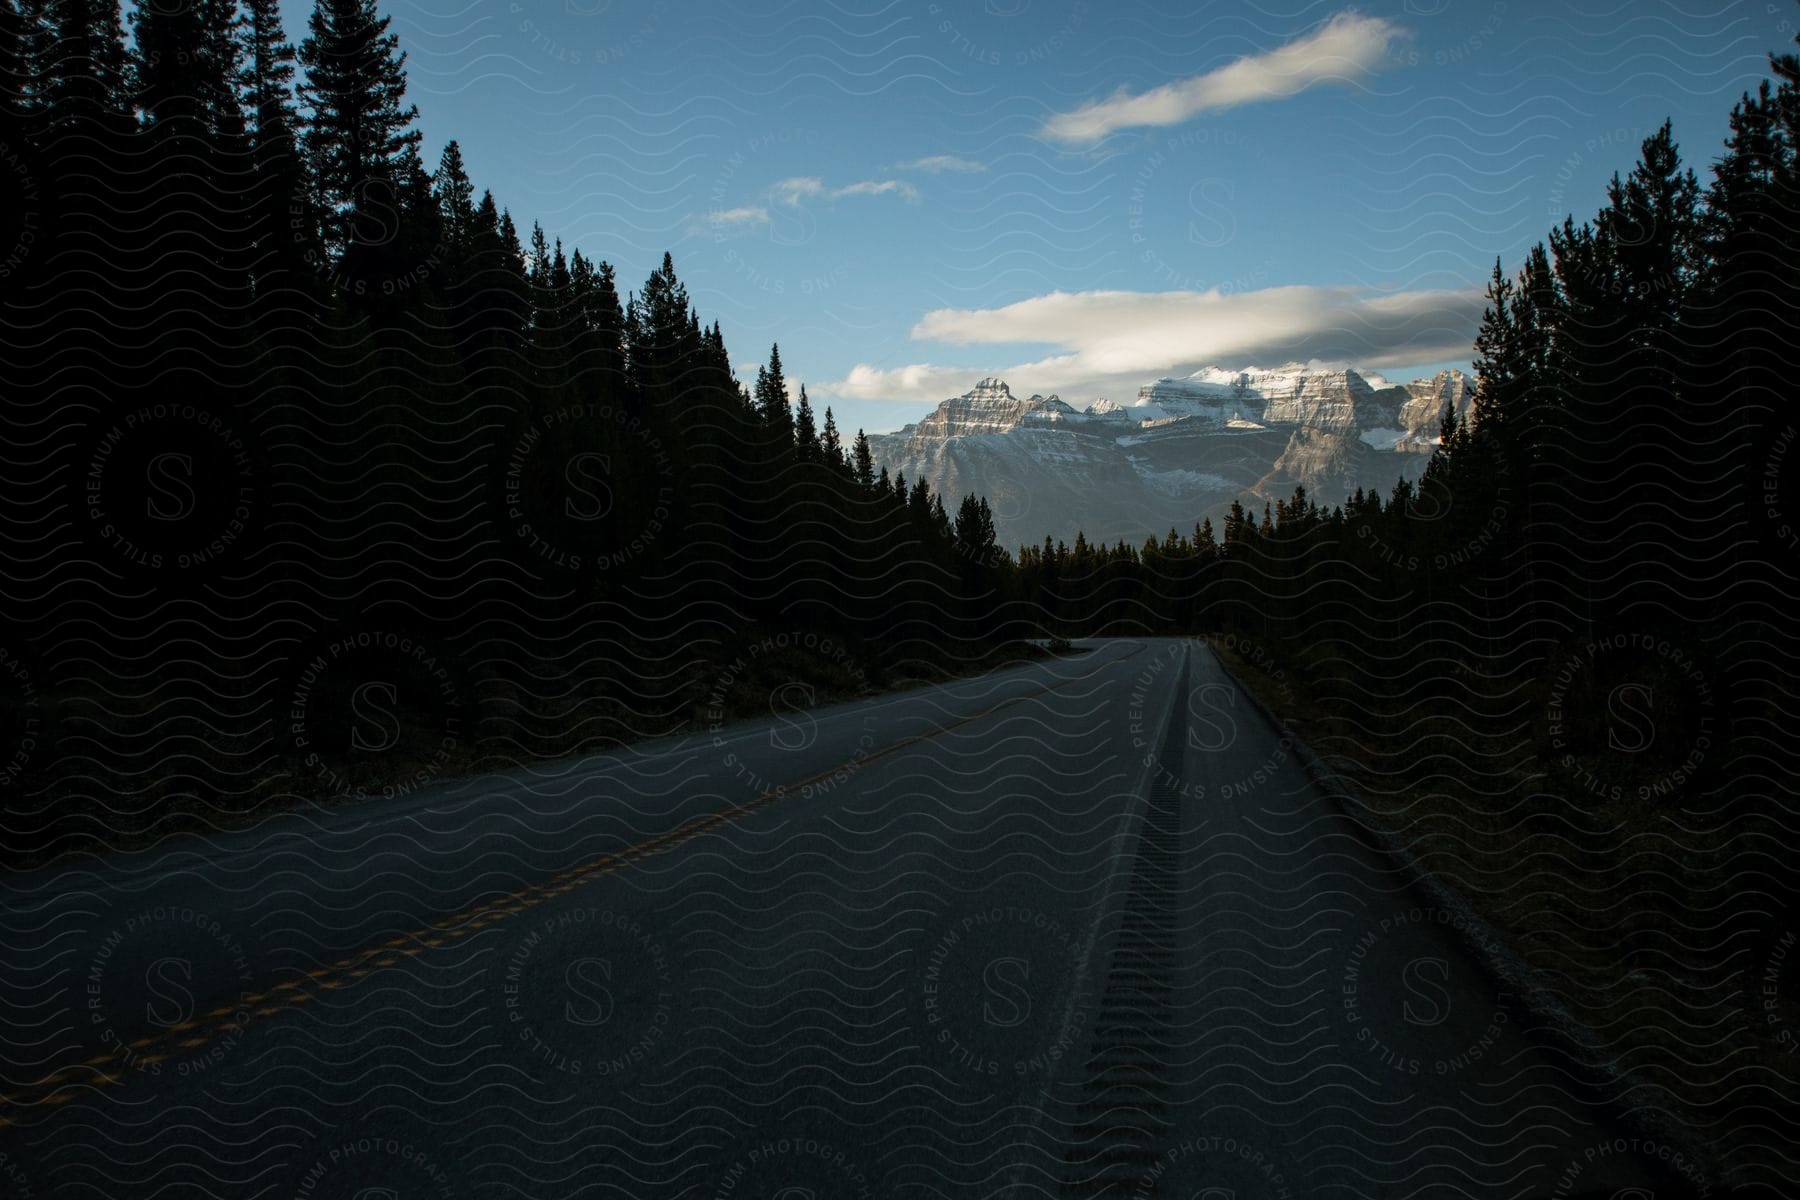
point(359, 139)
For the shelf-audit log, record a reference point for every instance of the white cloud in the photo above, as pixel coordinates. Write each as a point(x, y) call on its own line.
point(1346, 48)
point(792, 191)
point(937, 164)
point(1111, 343)
point(881, 187)
point(918, 381)
point(810, 187)
point(733, 217)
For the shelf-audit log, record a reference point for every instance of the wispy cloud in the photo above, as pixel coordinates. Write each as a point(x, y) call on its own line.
point(793, 191)
point(879, 187)
point(810, 187)
point(738, 217)
point(1346, 48)
point(1113, 342)
point(938, 164)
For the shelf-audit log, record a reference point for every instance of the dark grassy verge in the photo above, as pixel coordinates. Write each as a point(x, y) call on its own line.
point(1600, 891)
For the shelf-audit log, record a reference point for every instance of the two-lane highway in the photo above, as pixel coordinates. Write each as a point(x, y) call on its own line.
point(1081, 927)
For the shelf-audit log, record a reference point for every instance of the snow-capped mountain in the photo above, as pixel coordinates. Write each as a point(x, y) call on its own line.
point(1182, 450)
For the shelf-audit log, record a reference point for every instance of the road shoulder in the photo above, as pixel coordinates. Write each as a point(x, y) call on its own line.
point(1635, 1101)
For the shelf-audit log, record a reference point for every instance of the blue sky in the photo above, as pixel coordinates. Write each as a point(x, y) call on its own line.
point(1077, 195)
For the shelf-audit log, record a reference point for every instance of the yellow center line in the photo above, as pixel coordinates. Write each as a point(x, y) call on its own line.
point(55, 1090)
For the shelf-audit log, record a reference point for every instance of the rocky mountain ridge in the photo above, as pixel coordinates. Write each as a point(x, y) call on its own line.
point(1182, 450)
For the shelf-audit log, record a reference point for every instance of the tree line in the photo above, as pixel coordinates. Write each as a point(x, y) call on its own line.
point(324, 474)
point(1620, 496)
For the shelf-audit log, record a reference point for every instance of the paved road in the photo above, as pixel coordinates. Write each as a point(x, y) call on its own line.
point(1077, 928)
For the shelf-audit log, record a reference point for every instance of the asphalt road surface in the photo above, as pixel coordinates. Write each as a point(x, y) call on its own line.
point(1078, 928)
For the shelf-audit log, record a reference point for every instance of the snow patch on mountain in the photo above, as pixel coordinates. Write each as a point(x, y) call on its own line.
point(1182, 450)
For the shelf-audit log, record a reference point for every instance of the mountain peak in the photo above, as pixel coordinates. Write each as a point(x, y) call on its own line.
point(988, 407)
point(1180, 449)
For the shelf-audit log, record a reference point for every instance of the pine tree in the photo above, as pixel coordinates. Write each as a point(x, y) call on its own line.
point(509, 236)
point(14, 64)
point(1499, 375)
point(283, 219)
point(418, 240)
point(864, 461)
point(185, 67)
point(455, 197)
point(724, 375)
point(974, 530)
point(358, 126)
point(666, 346)
point(548, 275)
point(606, 319)
point(266, 75)
point(1237, 528)
point(918, 503)
point(597, 326)
point(831, 444)
point(81, 69)
point(1449, 473)
point(562, 323)
point(537, 259)
point(1652, 222)
point(806, 435)
point(1743, 311)
point(501, 294)
point(771, 398)
point(940, 518)
point(1489, 461)
point(1634, 347)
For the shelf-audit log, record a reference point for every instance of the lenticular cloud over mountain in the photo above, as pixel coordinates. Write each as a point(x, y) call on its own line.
point(1114, 339)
